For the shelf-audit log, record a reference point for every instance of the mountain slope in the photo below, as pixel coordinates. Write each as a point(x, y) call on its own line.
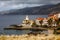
point(40, 10)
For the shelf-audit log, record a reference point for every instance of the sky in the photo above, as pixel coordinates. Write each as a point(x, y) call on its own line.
point(18, 4)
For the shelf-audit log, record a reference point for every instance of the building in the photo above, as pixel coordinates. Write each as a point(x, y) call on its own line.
point(42, 19)
point(45, 21)
point(38, 19)
point(58, 15)
point(55, 17)
point(27, 22)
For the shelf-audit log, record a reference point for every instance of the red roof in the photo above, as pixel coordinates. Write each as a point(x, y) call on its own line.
point(40, 18)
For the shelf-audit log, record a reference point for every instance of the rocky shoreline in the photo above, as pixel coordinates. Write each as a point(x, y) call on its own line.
point(30, 37)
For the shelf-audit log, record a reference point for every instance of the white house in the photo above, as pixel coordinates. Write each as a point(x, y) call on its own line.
point(26, 22)
point(58, 15)
point(37, 20)
point(45, 21)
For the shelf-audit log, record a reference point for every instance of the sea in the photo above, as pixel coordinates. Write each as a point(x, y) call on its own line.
point(6, 20)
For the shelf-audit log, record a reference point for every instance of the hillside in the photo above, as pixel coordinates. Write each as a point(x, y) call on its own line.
point(40, 10)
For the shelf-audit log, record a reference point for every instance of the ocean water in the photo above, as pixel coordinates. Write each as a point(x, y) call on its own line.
point(6, 20)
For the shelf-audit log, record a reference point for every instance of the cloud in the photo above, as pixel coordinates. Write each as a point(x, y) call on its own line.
point(32, 1)
point(5, 6)
point(18, 4)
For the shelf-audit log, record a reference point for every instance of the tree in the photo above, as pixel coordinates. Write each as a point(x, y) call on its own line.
point(50, 21)
point(14, 25)
point(41, 21)
point(57, 21)
point(34, 24)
